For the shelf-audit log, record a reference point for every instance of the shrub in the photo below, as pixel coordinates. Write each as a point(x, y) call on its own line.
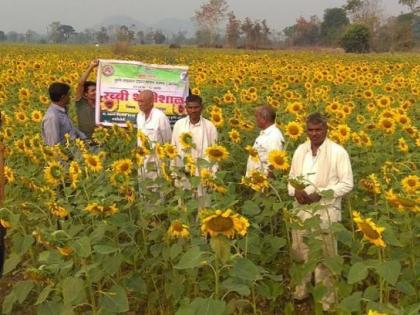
point(356, 39)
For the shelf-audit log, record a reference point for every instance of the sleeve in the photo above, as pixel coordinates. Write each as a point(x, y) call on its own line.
point(344, 173)
point(165, 129)
point(51, 128)
point(293, 171)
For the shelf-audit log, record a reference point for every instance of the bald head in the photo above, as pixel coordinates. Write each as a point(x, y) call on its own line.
point(265, 116)
point(145, 100)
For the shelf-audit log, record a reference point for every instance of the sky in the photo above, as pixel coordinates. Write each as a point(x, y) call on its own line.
point(21, 15)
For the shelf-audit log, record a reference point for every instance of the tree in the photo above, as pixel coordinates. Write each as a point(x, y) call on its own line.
point(233, 31)
point(159, 37)
point(412, 4)
point(209, 17)
point(334, 23)
point(125, 34)
point(3, 36)
point(304, 32)
point(247, 28)
point(356, 39)
point(265, 33)
point(140, 37)
point(58, 33)
point(102, 35)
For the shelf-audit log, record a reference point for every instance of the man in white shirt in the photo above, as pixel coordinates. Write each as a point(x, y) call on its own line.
point(203, 133)
point(269, 139)
point(322, 165)
point(154, 124)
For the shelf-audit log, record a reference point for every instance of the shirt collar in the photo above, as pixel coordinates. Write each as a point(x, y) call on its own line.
point(198, 124)
point(268, 129)
point(58, 107)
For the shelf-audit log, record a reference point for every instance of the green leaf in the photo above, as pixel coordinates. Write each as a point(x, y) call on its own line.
point(21, 244)
point(114, 300)
point(371, 293)
point(50, 308)
point(389, 270)
point(234, 285)
point(104, 249)
point(202, 306)
point(334, 264)
point(405, 287)
point(250, 208)
point(358, 272)
point(82, 247)
point(11, 263)
point(22, 289)
point(190, 259)
point(175, 250)
point(73, 291)
point(352, 302)
point(245, 269)
point(44, 295)
point(221, 247)
point(8, 302)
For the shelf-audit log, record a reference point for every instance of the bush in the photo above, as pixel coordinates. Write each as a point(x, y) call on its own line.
point(356, 39)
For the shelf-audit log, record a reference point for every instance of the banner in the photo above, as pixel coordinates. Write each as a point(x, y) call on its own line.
point(119, 84)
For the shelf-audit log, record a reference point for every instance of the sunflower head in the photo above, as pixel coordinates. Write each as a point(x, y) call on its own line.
point(278, 159)
point(186, 141)
point(217, 153)
point(224, 223)
point(178, 230)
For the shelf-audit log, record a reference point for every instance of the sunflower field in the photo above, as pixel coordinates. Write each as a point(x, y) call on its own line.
point(82, 239)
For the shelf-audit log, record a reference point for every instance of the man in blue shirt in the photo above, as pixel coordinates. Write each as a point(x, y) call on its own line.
point(56, 122)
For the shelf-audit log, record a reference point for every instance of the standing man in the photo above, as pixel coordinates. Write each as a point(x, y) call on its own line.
point(85, 101)
point(56, 123)
point(203, 132)
point(323, 165)
point(153, 124)
point(270, 139)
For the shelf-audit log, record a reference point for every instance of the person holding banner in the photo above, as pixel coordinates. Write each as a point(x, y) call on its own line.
point(202, 132)
point(56, 123)
point(153, 125)
point(85, 101)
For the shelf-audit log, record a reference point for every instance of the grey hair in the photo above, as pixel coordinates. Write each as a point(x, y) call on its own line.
point(317, 118)
point(267, 113)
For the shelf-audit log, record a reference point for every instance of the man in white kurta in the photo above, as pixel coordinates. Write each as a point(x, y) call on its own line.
point(269, 139)
point(154, 124)
point(322, 165)
point(203, 132)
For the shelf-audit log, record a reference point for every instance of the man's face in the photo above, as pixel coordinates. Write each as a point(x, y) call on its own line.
point(259, 121)
point(194, 111)
point(90, 94)
point(316, 133)
point(145, 102)
point(65, 99)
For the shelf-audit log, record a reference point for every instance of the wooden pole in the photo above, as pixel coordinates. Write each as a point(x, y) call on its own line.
point(2, 181)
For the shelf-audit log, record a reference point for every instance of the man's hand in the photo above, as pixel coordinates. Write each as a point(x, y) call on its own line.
point(314, 197)
point(94, 63)
point(302, 197)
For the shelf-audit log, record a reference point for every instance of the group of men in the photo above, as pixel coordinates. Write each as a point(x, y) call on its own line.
point(322, 164)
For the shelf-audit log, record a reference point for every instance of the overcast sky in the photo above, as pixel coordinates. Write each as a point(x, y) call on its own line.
point(21, 15)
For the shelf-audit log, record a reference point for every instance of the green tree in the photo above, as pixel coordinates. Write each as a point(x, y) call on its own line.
point(159, 37)
point(2, 36)
point(102, 36)
point(233, 30)
point(334, 23)
point(356, 39)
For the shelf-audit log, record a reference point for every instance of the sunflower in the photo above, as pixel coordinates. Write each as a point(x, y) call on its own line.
point(5, 224)
point(9, 175)
point(119, 179)
point(164, 172)
point(294, 108)
point(74, 173)
point(387, 125)
point(123, 166)
point(190, 164)
point(370, 230)
point(65, 251)
point(195, 91)
point(170, 150)
point(253, 153)
point(402, 145)
point(93, 162)
point(53, 173)
point(94, 208)
point(235, 122)
point(186, 141)
point(343, 132)
point(368, 94)
point(375, 313)
point(234, 136)
point(383, 101)
point(21, 117)
point(110, 210)
point(44, 100)
point(371, 184)
point(217, 153)
point(224, 223)
point(278, 159)
point(140, 153)
point(411, 184)
point(178, 230)
point(364, 137)
point(294, 130)
point(24, 94)
point(58, 211)
point(217, 119)
point(256, 180)
point(229, 98)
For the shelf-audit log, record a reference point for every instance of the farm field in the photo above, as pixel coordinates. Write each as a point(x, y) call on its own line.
point(82, 240)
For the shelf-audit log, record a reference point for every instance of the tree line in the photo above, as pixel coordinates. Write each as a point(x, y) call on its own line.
point(358, 26)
